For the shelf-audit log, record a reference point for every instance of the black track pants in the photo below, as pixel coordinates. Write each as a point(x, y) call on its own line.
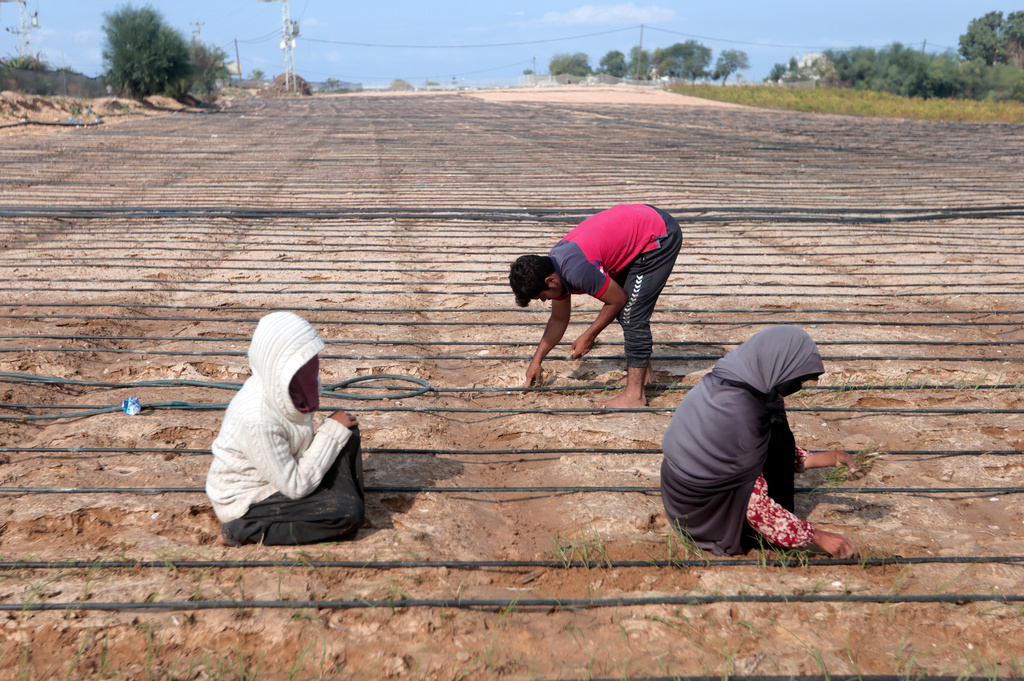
point(334, 509)
point(643, 280)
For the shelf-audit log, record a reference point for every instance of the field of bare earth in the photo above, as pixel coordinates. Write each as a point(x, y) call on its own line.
point(511, 533)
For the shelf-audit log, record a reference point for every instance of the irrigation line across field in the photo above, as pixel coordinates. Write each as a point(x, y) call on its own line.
point(537, 311)
point(343, 239)
point(829, 271)
point(82, 410)
point(479, 452)
point(508, 564)
point(494, 343)
point(427, 253)
point(821, 290)
point(569, 489)
point(531, 214)
point(328, 390)
point(142, 352)
point(486, 323)
point(506, 604)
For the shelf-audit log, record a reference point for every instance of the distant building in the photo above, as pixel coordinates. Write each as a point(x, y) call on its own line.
point(813, 64)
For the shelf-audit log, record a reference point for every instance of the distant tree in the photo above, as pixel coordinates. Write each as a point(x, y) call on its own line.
point(208, 66)
point(143, 56)
point(985, 39)
point(729, 62)
point(257, 74)
point(776, 74)
point(577, 64)
point(639, 65)
point(527, 72)
point(614, 64)
point(1015, 38)
point(683, 60)
point(695, 65)
point(400, 84)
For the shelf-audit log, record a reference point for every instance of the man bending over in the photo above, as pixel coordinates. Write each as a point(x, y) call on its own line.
point(622, 256)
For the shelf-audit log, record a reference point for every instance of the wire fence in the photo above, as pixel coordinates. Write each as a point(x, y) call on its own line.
point(61, 82)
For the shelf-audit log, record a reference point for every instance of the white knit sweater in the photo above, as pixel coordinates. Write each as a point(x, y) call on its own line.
point(265, 444)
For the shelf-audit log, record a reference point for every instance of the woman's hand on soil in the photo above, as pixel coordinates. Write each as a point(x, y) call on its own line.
point(831, 458)
point(347, 420)
point(837, 545)
point(844, 459)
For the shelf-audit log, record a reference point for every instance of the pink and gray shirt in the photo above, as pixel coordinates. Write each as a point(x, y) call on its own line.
point(603, 245)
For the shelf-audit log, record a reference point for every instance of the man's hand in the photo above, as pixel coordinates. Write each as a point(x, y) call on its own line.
point(533, 374)
point(838, 545)
point(582, 345)
point(347, 420)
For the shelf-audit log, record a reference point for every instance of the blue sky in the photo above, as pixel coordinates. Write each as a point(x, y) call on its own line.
point(441, 40)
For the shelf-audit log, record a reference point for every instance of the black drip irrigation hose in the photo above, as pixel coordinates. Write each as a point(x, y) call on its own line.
point(820, 291)
point(83, 410)
point(510, 564)
point(538, 311)
point(505, 604)
point(487, 343)
point(480, 452)
point(813, 323)
point(530, 214)
point(623, 489)
point(143, 352)
point(330, 390)
point(59, 124)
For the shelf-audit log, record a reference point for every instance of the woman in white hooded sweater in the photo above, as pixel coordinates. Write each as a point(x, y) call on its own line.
point(273, 480)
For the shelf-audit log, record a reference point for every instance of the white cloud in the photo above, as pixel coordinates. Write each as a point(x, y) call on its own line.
point(610, 14)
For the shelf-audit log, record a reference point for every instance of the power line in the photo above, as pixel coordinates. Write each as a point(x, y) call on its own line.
point(464, 47)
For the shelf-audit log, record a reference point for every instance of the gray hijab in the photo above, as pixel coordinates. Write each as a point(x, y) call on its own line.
point(717, 442)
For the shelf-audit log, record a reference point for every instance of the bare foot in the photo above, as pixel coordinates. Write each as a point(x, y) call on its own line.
point(625, 401)
point(222, 541)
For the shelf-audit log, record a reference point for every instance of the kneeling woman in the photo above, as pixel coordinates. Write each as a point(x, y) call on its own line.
point(730, 456)
point(272, 479)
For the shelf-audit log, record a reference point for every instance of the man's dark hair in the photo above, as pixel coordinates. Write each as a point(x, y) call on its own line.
point(527, 277)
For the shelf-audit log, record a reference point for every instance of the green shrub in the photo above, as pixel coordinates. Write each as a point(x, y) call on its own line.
point(142, 54)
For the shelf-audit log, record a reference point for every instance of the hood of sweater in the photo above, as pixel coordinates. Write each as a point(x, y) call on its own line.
point(282, 343)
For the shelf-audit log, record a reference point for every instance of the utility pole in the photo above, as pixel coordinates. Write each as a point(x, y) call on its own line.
point(289, 32)
point(197, 26)
point(640, 52)
point(238, 60)
point(27, 24)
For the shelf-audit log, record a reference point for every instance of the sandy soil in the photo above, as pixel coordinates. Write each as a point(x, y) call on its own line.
point(597, 95)
point(17, 109)
point(148, 250)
